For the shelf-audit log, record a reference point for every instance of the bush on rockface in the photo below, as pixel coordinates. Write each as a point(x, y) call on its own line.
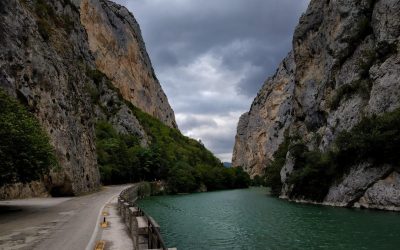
point(273, 171)
point(258, 181)
point(121, 158)
point(47, 17)
point(25, 151)
point(375, 139)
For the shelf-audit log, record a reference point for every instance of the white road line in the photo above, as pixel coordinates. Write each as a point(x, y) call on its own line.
point(91, 244)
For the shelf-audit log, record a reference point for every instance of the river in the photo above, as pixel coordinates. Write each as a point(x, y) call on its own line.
point(251, 219)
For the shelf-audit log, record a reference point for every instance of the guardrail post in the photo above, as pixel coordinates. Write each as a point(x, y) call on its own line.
point(127, 199)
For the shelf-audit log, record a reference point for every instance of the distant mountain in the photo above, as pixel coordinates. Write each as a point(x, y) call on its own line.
point(227, 164)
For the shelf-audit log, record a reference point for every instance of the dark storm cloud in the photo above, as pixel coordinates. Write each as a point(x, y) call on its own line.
point(212, 56)
point(221, 144)
point(179, 31)
point(190, 121)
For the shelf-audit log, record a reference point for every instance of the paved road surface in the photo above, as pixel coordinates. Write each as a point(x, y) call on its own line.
point(52, 223)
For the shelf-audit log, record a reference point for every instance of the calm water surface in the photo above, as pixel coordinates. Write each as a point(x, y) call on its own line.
point(250, 219)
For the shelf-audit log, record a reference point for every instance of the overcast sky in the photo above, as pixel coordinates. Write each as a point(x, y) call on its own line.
point(212, 56)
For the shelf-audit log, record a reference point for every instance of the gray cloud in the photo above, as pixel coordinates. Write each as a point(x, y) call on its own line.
point(212, 57)
point(191, 121)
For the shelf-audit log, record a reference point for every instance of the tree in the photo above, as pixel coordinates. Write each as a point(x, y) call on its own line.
point(25, 152)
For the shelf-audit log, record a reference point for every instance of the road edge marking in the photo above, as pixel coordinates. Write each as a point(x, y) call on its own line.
point(100, 245)
point(91, 244)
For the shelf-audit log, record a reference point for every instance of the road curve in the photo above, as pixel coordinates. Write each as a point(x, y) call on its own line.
point(52, 223)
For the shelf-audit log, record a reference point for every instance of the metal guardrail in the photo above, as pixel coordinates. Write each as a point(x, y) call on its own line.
point(155, 240)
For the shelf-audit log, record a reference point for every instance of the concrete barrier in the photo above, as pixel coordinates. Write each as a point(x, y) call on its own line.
point(144, 230)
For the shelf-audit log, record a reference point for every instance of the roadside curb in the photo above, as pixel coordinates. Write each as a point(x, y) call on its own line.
point(91, 245)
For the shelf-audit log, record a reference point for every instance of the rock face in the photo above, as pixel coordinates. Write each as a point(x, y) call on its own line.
point(264, 125)
point(354, 184)
point(116, 42)
point(384, 194)
point(345, 66)
point(50, 58)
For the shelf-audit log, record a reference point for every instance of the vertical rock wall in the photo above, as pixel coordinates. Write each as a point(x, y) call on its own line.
point(42, 56)
point(116, 42)
point(345, 67)
point(48, 53)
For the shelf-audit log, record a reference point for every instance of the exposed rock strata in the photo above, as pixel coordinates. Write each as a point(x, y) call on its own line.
point(384, 194)
point(354, 185)
point(33, 189)
point(337, 43)
point(46, 56)
point(39, 65)
point(264, 125)
point(116, 42)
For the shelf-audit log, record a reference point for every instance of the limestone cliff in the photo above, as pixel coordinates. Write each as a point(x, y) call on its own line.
point(116, 42)
point(344, 66)
point(51, 57)
point(261, 130)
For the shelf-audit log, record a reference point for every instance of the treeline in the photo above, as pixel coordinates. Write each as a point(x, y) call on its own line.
point(185, 164)
point(375, 139)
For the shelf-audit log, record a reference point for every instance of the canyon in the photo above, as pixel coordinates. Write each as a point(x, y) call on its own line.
point(343, 68)
point(73, 63)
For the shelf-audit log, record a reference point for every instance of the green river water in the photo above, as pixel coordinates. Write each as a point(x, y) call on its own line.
point(250, 219)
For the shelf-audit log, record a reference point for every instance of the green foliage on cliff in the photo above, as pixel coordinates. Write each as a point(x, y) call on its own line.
point(375, 139)
point(25, 151)
point(173, 146)
point(361, 87)
point(184, 163)
point(118, 156)
point(190, 165)
point(314, 173)
point(48, 18)
point(183, 178)
point(273, 171)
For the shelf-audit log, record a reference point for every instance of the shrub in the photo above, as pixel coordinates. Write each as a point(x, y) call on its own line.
point(93, 93)
point(361, 87)
point(363, 28)
point(313, 175)
point(273, 170)
point(67, 23)
point(118, 155)
point(25, 151)
point(258, 181)
point(375, 139)
point(44, 29)
point(47, 18)
point(182, 178)
point(184, 163)
point(96, 75)
point(44, 10)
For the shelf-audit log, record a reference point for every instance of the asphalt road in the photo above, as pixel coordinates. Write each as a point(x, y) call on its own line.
point(53, 223)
